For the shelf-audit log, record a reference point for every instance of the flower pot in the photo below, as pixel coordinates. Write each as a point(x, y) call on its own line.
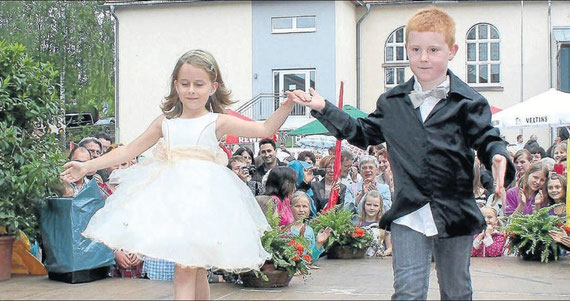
point(537, 252)
point(345, 252)
point(6, 244)
point(276, 278)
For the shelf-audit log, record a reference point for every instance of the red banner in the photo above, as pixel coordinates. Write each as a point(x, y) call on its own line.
point(333, 198)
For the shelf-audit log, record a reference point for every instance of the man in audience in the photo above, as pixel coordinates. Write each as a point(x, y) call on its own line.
point(267, 153)
point(71, 189)
point(369, 170)
point(105, 140)
point(239, 166)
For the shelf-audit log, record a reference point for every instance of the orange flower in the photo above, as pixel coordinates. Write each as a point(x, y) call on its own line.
point(299, 248)
point(567, 229)
point(296, 258)
point(307, 258)
point(358, 232)
point(291, 242)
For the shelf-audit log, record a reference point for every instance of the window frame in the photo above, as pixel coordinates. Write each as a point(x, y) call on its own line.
point(477, 62)
point(294, 28)
point(395, 66)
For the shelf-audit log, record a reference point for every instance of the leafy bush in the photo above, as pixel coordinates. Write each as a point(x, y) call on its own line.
point(30, 119)
point(343, 232)
point(528, 234)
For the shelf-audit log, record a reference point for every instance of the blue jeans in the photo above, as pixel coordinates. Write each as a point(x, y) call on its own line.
point(412, 252)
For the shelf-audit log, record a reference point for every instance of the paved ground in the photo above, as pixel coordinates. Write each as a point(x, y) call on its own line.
point(493, 278)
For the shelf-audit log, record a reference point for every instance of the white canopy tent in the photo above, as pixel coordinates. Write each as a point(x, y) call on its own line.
point(547, 109)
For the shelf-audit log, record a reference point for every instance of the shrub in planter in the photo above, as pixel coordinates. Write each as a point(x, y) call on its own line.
point(528, 235)
point(346, 240)
point(30, 119)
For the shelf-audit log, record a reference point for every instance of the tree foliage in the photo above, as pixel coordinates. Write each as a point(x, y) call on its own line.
point(76, 36)
point(30, 111)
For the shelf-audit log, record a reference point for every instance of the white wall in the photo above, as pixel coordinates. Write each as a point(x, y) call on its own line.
point(506, 16)
point(345, 55)
point(152, 38)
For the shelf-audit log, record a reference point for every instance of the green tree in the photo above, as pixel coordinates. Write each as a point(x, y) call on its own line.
point(30, 111)
point(76, 36)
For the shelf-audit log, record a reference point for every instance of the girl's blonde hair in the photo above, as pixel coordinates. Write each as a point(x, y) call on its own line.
point(371, 194)
point(297, 196)
point(172, 106)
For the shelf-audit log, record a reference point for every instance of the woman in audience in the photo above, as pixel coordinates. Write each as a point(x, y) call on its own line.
point(521, 159)
point(490, 242)
point(481, 194)
point(323, 188)
point(300, 206)
point(369, 220)
point(521, 199)
point(280, 185)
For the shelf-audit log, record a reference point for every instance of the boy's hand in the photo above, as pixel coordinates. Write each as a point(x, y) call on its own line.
point(312, 100)
point(499, 169)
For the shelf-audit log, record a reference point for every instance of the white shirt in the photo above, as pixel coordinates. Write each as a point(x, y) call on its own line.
point(422, 220)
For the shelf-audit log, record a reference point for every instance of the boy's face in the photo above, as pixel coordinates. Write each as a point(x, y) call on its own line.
point(429, 54)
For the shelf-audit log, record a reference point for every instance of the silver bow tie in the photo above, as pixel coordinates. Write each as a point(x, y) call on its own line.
point(418, 98)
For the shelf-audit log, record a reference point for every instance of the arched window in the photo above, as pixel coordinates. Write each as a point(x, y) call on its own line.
point(483, 55)
point(395, 58)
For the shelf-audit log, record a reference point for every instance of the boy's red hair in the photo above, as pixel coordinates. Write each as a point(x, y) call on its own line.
point(435, 20)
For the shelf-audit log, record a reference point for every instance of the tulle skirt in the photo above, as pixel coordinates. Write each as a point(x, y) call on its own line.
point(194, 212)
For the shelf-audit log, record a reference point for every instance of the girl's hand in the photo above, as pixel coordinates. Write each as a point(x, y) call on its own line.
point(312, 99)
point(122, 259)
point(558, 235)
point(74, 171)
point(538, 199)
point(323, 235)
point(489, 230)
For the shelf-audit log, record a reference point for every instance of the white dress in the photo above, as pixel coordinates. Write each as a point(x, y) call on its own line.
point(184, 205)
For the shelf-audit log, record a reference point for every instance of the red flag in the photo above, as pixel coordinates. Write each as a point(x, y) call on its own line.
point(333, 198)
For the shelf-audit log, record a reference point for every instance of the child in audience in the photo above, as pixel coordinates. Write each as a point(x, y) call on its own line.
point(300, 205)
point(556, 188)
point(490, 242)
point(369, 219)
point(522, 198)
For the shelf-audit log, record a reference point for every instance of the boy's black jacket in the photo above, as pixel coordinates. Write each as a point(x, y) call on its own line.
point(432, 162)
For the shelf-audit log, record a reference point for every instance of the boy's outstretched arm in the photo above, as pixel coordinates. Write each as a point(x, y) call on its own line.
point(360, 132)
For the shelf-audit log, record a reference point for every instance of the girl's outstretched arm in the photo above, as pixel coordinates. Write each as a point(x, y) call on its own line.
point(234, 126)
point(76, 170)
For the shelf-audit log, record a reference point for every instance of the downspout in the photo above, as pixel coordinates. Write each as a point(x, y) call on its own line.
point(358, 27)
point(550, 43)
point(522, 56)
point(116, 67)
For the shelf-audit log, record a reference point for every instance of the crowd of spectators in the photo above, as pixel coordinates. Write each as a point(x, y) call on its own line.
point(299, 188)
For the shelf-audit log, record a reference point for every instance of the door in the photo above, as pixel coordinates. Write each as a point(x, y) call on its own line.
point(290, 80)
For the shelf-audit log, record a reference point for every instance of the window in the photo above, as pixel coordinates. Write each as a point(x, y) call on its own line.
point(395, 58)
point(483, 55)
point(293, 24)
point(563, 68)
point(289, 80)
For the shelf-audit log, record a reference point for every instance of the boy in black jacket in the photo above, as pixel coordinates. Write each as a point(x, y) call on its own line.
point(431, 125)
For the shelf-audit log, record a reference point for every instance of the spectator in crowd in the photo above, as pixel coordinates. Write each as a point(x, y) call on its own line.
point(559, 154)
point(531, 142)
point(307, 156)
point(368, 166)
point(520, 143)
point(246, 153)
point(550, 150)
point(318, 158)
point(384, 171)
point(537, 153)
point(490, 242)
point(300, 206)
point(239, 166)
point(267, 153)
point(71, 189)
point(305, 177)
point(346, 159)
point(280, 185)
point(95, 148)
point(369, 219)
point(521, 160)
point(331, 150)
point(323, 188)
point(549, 162)
point(105, 140)
point(556, 194)
point(521, 199)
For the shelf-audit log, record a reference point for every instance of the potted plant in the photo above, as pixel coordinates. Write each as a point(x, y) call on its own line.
point(528, 235)
point(346, 240)
point(288, 256)
point(30, 112)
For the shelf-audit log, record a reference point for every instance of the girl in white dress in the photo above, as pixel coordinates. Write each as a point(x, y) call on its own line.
point(184, 205)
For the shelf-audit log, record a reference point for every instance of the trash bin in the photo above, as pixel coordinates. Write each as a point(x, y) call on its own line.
point(70, 257)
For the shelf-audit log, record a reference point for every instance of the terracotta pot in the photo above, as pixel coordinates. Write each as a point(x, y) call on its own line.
point(345, 252)
point(6, 244)
point(276, 278)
